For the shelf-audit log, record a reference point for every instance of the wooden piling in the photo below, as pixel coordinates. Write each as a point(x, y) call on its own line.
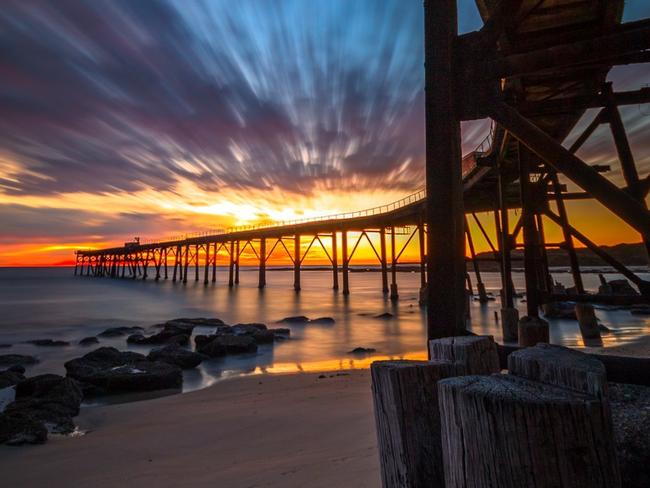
point(206, 269)
point(394, 295)
point(231, 266)
point(586, 315)
point(335, 268)
point(344, 258)
point(187, 257)
point(297, 258)
point(196, 262)
point(384, 262)
point(214, 263)
point(262, 268)
point(532, 331)
point(237, 263)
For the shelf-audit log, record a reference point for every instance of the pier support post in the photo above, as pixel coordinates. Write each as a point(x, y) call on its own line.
point(394, 295)
point(206, 269)
point(166, 255)
point(444, 201)
point(296, 262)
point(480, 287)
point(231, 266)
point(344, 257)
point(187, 262)
point(262, 270)
point(335, 267)
point(237, 263)
point(196, 262)
point(214, 263)
point(423, 257)
point(530, 234)
point(384, 262)
point(177, 257)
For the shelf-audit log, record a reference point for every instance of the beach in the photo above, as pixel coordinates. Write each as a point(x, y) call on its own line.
point(258, 431)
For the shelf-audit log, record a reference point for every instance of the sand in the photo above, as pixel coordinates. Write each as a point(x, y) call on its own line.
point(295, 430)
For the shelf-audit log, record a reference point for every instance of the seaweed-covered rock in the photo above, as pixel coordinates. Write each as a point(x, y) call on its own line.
point(322, 320)
point(12, 359)
point(296, 319)
point(113, 371)
point(119, 331)
point(176, 355)
point(173, 332)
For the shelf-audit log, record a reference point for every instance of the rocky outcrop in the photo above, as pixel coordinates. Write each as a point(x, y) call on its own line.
point(113, 371)
point(296, 319)
point(48, 343)
point(220, 345)
point(12, 359)
point(173, 332)
point(88, 341)
point(176, 355)
point(323, 320)
point(362, 350)
point(10, 377)
point(120, 331)
point(44, 403)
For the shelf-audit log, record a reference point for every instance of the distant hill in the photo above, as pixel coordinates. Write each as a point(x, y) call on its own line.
point(628, 254)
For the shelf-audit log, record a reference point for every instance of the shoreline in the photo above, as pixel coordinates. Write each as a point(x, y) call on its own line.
point(236, 433)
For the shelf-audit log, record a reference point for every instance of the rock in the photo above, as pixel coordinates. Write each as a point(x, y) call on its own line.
point(113, 371)
point(17, 429)
point(228, 344)
point(384, 316)
point(88, 341)
point(48, 342)
point(620, 287)
point(259, 332)
point(10, 378)
point(322, 320)
point(210, 347)
point(119, 331)
point(5, 346)
point(17, 368)
point(176, 355)
point(164, 337)
point(281, 333)
point(198, 321)
point(297, 319)
point(361, 350)
point(12, 359)
point(43, 403)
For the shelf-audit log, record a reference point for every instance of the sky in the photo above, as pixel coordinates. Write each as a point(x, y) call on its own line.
point(129, 118)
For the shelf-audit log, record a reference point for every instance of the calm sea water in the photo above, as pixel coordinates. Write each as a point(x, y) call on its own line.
point(37, 303)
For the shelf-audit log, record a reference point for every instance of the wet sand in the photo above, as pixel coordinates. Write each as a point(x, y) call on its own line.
point(258, 431)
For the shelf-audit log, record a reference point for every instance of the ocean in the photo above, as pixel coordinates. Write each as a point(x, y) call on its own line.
point(51, 303)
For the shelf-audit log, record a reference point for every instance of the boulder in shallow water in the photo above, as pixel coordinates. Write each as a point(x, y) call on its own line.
point(176, 355)
point(119, 331)
point(322, 320)
point(208, 346)
point(88, 341)
point(5, 346)
point(296, 319)
point(362, 350)
point(17, 429)
point(48, 343)
point(209, 322)
point(219, 345)
point(164, 337)
point(12, 359)
point(113, 371)
point(384, 316)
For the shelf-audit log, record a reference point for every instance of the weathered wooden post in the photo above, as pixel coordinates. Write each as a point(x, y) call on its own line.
point(532, 330)
point(237, 263)
point(206, 270)
point(344, 258)
point(384, 263)
point(335, 267)
point(406, 413)
point(231, 266)
point(262, 270)
point(296, 262)
point(394, 295)
point(423, 265)
point(547, 424)
point(197, 252)
point(214, 263)
point(589, 328)
point(187, 262)
point(166, 255)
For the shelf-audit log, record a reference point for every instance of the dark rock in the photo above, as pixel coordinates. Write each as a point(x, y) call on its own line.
point(620, 287)
point(5, 346)
point(10, 378)
point(630, 406)
point(17, 368)
point(12, 359)
point(385, 316)
point(209, 322)
point(259, 332)
point(119, 331)
point(163, 337)
point(362, 350)
point(322, 320)
point(248, 328)
point(210, 347)
point(43, 403)
point(281, 333)
point(17, 429)
point(113, 371)
point(237, 344)
point(174, 354)
point(298, 319)
point(88, 341)
point(48, 342)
